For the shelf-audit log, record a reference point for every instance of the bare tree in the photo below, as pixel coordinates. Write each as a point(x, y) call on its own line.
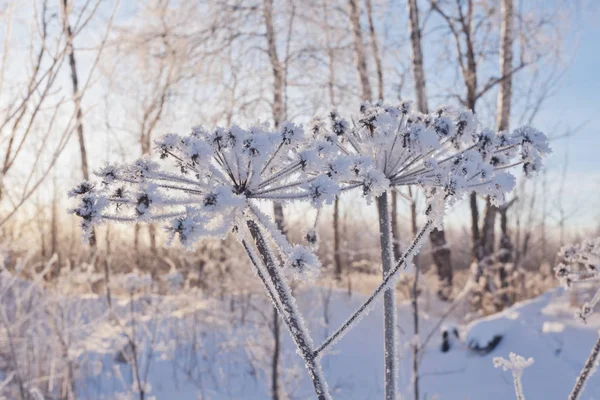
point(37, 100)
point(331, 82)
point(366, 94)
point(278, 111)
point(375, 49)
point(77, 97)
point(487, 245)
point(441, 251)
point(466, 21)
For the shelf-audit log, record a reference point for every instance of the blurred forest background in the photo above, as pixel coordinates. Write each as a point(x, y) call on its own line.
point(98, 81)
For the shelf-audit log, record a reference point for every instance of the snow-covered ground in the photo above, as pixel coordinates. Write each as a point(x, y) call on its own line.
point(207, 351)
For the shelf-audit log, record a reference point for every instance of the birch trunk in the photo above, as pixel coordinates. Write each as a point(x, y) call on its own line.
point(375, 48)
point(441, 253)
point(415, 301)
point(389, 298)
point(366, 93)
point(278, 115)
point(417, 56)
point(506, 60)
point(331, 88)
point(488, 238)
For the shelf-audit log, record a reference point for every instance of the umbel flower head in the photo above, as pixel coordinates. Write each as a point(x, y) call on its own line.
point(445, 152)
point(213, 185)
point(581, 263)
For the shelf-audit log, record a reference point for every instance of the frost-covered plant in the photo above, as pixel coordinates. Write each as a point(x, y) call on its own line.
point(515, 364)
point(446, 153)
point(219, 176)
point(580, 264)
point(214, 188)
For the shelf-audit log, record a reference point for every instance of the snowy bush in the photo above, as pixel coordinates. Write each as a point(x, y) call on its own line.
point(218, 179)
point(580, 264)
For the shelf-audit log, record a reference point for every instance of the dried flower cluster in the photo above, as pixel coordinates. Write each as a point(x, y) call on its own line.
point(217, 179)
point(515, 364)
point(581, 263)
point(445, 152)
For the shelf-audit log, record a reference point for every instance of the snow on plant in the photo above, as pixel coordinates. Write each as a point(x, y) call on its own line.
point(220, 176)
point(214, 188)
point(580, 264)
point(446, 153)
point(515, 364)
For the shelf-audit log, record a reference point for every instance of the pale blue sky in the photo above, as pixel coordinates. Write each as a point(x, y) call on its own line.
point(578, 98)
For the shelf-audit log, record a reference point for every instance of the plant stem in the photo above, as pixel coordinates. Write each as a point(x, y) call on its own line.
point(280, 294)
point(389, 297)
point(389, 278)
point(588, 369)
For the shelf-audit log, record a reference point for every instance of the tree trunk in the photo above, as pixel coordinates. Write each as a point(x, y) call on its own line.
point(278, 115)
point(366, 93)
point(441, 251)
point(152, 235)
point(107, 269)
point(77, 102)
point(375, 49)
point(417, 56)
point(476, 253)
point(54, 223)
point(415, 299)
point(277, 106)
point(416, 342)
point(337, 257)
point(136, 245)
point(275, 359)
point(336, 240)
point(506, 59)
point(395, 232)
point(488, 235)
point(503, 118)
point(470, 78)
point(278, 214)
point(389, 298)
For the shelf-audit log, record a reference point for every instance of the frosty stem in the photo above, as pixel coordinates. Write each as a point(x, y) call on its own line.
point(518, 386)
point(389, 297)
point(588, 369)
point(389, 278)
point(280, 294)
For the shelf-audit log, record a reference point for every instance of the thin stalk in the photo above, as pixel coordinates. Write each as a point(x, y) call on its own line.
point(278, 175)
point(389, 298)
point(289, 312)
point(400, 265)
point(588, 369)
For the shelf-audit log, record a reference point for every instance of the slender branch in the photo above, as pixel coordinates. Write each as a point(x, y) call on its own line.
point(588, 369)
point(400, 265)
